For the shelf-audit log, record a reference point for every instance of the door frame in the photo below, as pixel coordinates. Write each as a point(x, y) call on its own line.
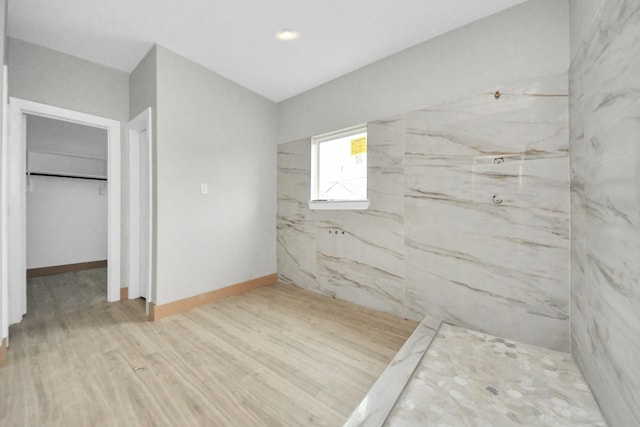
point(15, 164)
point(137, 125)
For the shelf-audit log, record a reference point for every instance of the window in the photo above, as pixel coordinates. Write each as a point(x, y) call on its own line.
point(339, 169)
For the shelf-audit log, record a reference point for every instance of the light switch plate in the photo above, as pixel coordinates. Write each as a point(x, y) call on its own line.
point(204, 188)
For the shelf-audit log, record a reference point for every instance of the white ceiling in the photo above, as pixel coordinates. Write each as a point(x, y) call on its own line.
point(236, 38)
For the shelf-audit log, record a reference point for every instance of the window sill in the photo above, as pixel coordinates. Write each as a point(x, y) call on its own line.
point(335, 205)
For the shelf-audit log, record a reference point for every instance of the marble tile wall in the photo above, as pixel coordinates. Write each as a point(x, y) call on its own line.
point(296, 227)
point(366, 265)
point(433, 242)
point(605, 202)
point(487, 213)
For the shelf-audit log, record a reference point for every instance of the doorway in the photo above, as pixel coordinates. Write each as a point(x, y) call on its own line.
point(140, 208)
point(15, 163)
point(66, 214)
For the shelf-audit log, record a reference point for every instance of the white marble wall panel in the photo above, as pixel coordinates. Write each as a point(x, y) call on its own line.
point(605, 129)
point(487, 215)
point(364, 261)
point(527, 119)
point(296, 234)
point(433, 243)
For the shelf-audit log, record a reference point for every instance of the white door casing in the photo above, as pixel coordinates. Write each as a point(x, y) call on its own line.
point(16, 194)
point(4, 234)
point(145, 212)
point(140, 207)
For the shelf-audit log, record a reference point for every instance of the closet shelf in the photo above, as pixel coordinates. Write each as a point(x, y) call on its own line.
point(67, 175)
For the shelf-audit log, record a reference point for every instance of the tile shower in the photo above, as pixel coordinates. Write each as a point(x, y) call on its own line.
point(485, 212)
point(468, 222)
point(605, 202)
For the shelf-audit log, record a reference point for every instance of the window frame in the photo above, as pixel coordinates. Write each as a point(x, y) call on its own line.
point(319, 204)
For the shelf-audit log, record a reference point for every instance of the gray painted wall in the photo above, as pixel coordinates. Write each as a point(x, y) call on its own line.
point(605, 202)
point(212, 131)
point(54, 78)
point(51, 77)
point(516, 45)
point(143, 94)
point(207, 130)
point(143, 85)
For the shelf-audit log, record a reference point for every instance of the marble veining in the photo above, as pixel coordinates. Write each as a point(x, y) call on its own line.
point(487, 194)
point(468, 222)
point(605, 202)
point(467, 378)
point(471, 249)
point(365, 261)
point(296, 228)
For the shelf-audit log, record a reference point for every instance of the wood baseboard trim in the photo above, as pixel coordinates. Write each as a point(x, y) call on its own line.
point(67, 268)
point(157, 312)
point(3, 352)
point(124, 293)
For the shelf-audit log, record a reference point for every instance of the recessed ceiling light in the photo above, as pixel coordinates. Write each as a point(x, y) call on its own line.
point(287, 35)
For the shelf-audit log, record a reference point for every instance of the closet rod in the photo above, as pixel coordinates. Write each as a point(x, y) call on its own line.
point(66, 176)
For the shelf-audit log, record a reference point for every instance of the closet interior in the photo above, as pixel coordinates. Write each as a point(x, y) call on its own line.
point(66, 203)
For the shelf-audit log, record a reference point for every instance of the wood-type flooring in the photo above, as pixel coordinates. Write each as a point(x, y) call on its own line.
point(275, 356)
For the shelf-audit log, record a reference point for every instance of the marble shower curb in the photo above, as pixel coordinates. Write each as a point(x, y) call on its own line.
point(376, 406)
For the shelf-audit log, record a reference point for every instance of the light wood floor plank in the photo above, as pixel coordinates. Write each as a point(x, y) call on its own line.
point(276, 356)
